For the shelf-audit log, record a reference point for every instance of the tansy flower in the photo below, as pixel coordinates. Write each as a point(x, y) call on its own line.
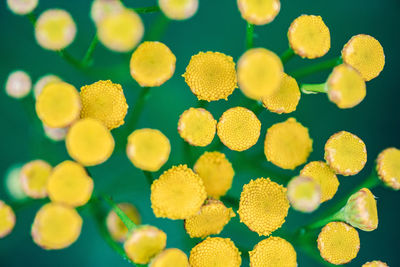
point(144, 243)
point(260, 73)
point(13, 183)
point(263, 206)
point(102, 8)
point(120, 31)
point(89, 142)
point(216, 252)
point(338, 243)
point(304, 194)
point(210, 220)
point(345, 153)
point(197, 126)
point(18, 84)
point(365, 54)
point(238, 128)
point(7, 219)
point(116, 227)
point(211, 76)
point(70, 184)
point(286, 98)
point(34, 177)
point(177, 194)
point(55, 134)
point(273, 251)
point(22, 7)
point(55, 29)
point(104, 101)
point(170, 257)
point(375, 264)
point(179, 9)
point(58, 105)
point(43, 81)
point(216, 172)
point(259, 12)
point(287, 144)
point(388, 167)
point(321, 173)
point(309, 36)
point(56, 226)
point(148, 149)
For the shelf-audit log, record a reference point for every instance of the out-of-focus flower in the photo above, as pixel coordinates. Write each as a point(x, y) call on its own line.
point(43, 81)
point(170, 257)
point(13, 183)
point(375, 264)
point(259, 12)
point(116, 227)
point(388, 167)
point(179, 9)
point(34, 177)
point(304, 194)
point(18, 84)
point(55, 134)
point(22, 7)
point(7, 219)
point(102, 8)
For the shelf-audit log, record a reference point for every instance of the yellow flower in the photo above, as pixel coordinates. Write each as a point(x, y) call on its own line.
point(216, 252)
point(144, 243)
point(321, 173)
point(152, 64)
point(104, 101)
point(58, 105)
point(304, 194)
point(365, 54)
point(260, 73)
point(121, 31)
point(148, 149)
point(170, 257)
point(375, 264)
point(345, 153)
point(309, 36)
point(116, 227)
point(238, 128)
point(216, 172)
point(197, 126)
point(259, 12)
point(286, 98)
point(7, 219)
point(273, 251)
point(18, 84)
point(89, 142)
point(346, 88)
point(22, 7)
point(56, 226)
point(263, 206)
point(211, 76)
point(55, 29)
point(43, 81)
point(179, 9)
point(210, 220)
point(177, 194)
point(100, 9)
point(388, 167)
point(70, 184)
point(287, 144)
point(338, 243)
point(34, 177)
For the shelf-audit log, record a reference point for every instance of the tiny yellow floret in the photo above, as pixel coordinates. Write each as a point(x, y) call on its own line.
point(116, 227)
point(18, 84)
point(259, 12)
point(304, 194)
point(22, 7)
point(100, 9)
point(7, 219)
point(179, 9)
point(34, 178)
point(375, 264)
point(388, 167)
point(170, 257)
point(43, 81)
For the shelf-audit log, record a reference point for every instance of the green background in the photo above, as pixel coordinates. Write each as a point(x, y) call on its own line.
point(216, 27)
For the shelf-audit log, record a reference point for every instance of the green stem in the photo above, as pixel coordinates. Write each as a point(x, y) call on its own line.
point(257, 107)
point(249, 36)
point(149, 177)
point(325, 65)
point(314, 88)
point(149, 9)
point(187, 152)
point(70, 59)
point(287, 55)
point(32, 18)
point(122, 215)
point(158, 28)
point(86, 61)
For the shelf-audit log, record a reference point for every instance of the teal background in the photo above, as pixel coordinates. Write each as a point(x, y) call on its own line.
point(216, 27)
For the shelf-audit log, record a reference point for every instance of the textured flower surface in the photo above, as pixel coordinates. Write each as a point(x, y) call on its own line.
point(388, 167)
point(170, 257)
point(375, 264)
point(34, 178)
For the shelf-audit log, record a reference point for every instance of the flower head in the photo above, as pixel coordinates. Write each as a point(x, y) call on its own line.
point(22, 7)
point(170, 257)
point(179, 9)
point(259, 12)
point(34, 177)
point(116, 227)
point(43, 81)
point(102, 8)
point(55, 134)
point(304, 194)
point(388, 167)
point(13, 183)
point(375, 264)
point(18, 84)
point(7, 219)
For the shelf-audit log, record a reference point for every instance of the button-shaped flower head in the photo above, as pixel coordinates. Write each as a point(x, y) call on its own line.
point(22, 7)
point(116, 227)
point(388, 167)
point(55, 134)
point(7, 219)
point(102, 8)
point(259, 12)
point(34, 178)
point(304, 194)
point(12, 182)
point(375, 264)
point(170, 257)
point(179, 9)
point(18, 84)
point(43, 81)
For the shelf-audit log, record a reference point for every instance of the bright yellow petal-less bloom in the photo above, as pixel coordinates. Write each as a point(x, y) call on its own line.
point(152, 64)
point(338, 243)
point(170, 257)
point(216, 252)
point(7, 219)
point(216, 172)
point(375, 264)
point(56, 226)
point(18, 84)
point(43, 81)
point(211, 76)
point(177, 194)
point(89, 142)
point(34, 177)
point(55, 29)
point(273, 251)
point(388, 167)
point(260, 73)
point(309, 37)
point(345, 153)
point(263, 206)
point(116, 227)
point(346, 87)
point(197, 126)
point(22, 7)
point(100, 9)
point(148, 149)
point(287, 144)
point(304, 194)
point(121, 31)
point(238, 128)
point(144, 243)
point(104, 101)
point(58, 105)
point(259, 12)
point(179, 9)
point(210, 220)
point(365, 54)
point(321, 173)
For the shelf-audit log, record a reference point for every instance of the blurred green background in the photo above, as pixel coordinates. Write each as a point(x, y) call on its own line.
point(216, 27)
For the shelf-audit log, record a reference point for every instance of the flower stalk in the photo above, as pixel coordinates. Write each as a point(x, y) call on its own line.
point(314, 88)
point(321, 66)
point(287, 55)
point(249, 36)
